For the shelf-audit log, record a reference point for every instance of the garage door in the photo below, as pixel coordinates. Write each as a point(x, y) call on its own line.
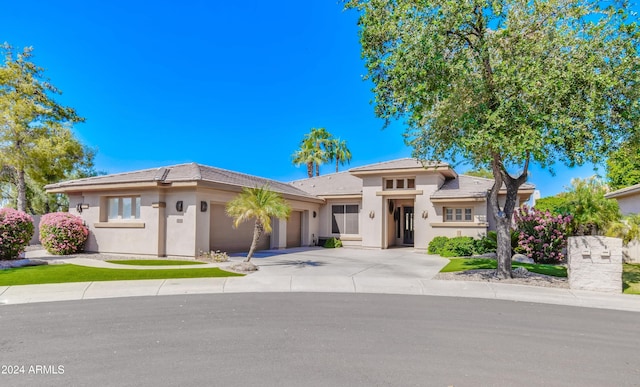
point(224, 237)
point(294, 224)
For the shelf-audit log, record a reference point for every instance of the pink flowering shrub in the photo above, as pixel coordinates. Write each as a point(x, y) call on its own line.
point(16, 230)
point(541, 236)
point(62, 233)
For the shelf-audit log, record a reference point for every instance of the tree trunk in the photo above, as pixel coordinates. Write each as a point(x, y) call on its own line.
point(257, 233)
point(310, 169)
point(22, 190)
point(317, 169)
point(503, 216)
point(337, 162)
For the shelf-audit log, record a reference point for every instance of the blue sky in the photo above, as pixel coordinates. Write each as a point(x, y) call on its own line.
point(229, 84)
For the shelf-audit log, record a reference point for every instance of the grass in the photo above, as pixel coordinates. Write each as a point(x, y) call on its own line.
point(154, 262)
point(74, 273)
point(631, 278)
point(462, 264)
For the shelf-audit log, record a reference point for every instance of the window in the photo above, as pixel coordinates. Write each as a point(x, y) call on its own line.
point(123, 208)
point(403, 183)
point(344, 219)
point(458, 214)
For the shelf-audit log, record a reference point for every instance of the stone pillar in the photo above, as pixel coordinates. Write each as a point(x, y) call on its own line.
point(595, 263)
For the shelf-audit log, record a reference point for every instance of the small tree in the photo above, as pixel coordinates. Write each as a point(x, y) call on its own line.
point(623, 166)
point(592, 212)
point(259, 204)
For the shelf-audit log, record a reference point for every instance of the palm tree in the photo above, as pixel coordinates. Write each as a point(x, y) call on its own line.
point(306, 155)
point(260, 204)
point(339, 152)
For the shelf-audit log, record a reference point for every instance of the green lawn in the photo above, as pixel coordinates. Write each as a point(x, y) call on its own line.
point(462, 264)
point(154, 262)
point(49, 274)
point(631, 278)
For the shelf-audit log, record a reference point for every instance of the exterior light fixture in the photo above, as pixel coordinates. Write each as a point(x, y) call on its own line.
point(425, 214)
point(372, 214)
point(179, 205)
point(203, 206)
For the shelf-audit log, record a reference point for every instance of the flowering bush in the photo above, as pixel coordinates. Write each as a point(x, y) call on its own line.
point(16, 230)
point(62, 233)
point(541, 236)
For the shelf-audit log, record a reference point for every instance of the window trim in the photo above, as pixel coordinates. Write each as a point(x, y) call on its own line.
point(463, 214)
point(136, 205)
point(344, 206)
point(395, 186)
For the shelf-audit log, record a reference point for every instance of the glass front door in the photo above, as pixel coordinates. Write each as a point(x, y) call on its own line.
point(408, 225)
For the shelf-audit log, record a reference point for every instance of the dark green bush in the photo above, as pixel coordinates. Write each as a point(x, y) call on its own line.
point(437, 244)
point(332, 243)
point(514, 240)
point(458, 247)
point(484, 245)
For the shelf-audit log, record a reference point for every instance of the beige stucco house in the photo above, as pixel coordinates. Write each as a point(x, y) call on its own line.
point(179, 210)
point(628, 199)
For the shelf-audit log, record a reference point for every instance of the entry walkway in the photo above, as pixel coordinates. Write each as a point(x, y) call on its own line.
point(346, 270)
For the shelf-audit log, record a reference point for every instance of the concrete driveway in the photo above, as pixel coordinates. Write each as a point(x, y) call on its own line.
point(399, 263)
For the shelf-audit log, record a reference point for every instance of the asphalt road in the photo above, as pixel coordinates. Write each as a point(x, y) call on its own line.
point(306, 339)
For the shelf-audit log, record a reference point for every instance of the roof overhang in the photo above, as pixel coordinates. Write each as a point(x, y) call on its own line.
point(623, 192)
point(444, 170)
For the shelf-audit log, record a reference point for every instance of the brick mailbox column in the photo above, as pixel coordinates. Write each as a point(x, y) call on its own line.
point(595, 263)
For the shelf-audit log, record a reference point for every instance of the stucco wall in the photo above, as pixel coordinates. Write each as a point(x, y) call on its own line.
point(629, 204)
point(371, 228)
point(117, 237)
point(429, 184)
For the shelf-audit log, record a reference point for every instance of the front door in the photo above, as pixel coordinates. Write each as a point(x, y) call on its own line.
point(408, 225)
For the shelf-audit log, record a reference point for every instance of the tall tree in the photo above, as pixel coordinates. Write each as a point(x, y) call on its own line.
point(623, 166)
point(339, 152)
point(259, 204)
point(314, 150)
point(35, 131)
point(592, 212)
point(502, 83)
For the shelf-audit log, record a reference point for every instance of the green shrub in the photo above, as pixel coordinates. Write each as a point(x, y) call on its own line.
point(332, 243)
point(62, 233)
point(484, 245)
point(437, 244)
point(515, 248)
point(16, 230)
point(458, 247)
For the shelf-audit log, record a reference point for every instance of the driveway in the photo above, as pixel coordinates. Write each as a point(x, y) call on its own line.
point(399, 263)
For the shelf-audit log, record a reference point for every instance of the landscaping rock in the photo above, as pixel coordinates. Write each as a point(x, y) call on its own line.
point(520, 272)
point(487, 255)
point(21, 263)
point(522, 258)
point(243, 267)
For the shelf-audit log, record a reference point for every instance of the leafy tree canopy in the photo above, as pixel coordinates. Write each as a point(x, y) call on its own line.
point(501, 83)
point(623, 166)
point(36, 141)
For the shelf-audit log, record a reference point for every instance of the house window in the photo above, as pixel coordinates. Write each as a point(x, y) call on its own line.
point(123, 208)
point(403, 183)
point(458, 214)
point(344, 219)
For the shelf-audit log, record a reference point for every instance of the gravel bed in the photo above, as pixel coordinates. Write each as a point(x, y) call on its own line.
point(521, 277)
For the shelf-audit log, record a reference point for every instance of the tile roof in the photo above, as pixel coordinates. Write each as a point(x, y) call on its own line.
point(184, 173)
point(341, 183)
point(623, 191)
point(468, 187)
point(405, 163)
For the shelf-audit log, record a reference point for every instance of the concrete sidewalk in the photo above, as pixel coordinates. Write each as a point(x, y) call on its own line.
point(394, 271)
